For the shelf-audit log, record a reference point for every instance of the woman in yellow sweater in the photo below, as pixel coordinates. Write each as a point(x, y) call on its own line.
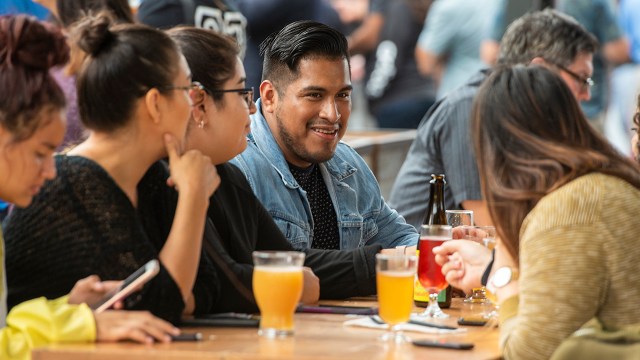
point(565, 205)
point(32, 125)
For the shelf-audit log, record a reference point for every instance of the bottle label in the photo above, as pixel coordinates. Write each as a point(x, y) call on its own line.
point(419, 292)
point(442, 296)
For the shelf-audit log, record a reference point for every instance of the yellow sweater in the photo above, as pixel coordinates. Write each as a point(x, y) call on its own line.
point(39, 322)
point(579, 259)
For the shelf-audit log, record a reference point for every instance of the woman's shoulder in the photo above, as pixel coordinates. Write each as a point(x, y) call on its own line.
point(232, 176)
point(589, 199)
point(592, 188)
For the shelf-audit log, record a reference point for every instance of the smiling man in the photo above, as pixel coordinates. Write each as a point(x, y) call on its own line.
point(318, 190)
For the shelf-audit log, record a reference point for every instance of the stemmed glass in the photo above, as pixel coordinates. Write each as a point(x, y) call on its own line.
point(394, 280)
point(429, 272)
point(485, 235)
point(458, 219)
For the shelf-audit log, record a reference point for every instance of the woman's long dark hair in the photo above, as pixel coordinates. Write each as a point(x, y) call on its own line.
point(531, 137)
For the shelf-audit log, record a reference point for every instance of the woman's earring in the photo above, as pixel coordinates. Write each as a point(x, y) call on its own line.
point(201, 124)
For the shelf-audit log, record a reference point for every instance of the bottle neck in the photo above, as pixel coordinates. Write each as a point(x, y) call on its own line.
point(436, 210)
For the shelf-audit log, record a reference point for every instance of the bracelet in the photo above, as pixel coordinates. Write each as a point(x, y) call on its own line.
point(485, 276)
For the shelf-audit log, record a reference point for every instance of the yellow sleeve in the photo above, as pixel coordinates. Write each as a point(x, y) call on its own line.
point(39, 322)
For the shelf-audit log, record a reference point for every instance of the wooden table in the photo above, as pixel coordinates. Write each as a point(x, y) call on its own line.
point(318, 336)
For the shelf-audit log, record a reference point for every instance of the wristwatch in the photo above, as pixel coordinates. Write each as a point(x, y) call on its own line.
point(503, 276)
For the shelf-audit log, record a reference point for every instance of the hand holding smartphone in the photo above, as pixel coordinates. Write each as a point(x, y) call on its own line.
point(130, 285)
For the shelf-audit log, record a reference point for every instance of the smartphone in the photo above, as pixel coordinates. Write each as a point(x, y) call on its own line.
point(130, 285)
point(187, 337)
point(335, 309)
point(229, 319)
point(472, 321)
point(443, 344)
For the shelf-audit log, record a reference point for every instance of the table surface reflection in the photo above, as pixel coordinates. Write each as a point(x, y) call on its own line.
point(318, 336)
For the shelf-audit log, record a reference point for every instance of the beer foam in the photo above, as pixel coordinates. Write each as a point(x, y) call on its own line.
point(280, 269)
point(394, 273)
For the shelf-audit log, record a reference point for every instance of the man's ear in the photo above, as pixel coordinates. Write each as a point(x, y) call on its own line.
point(539, 61)
point(268, 96)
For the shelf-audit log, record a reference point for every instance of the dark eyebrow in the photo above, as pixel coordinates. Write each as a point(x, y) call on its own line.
point(49, 145)
point(321, 89)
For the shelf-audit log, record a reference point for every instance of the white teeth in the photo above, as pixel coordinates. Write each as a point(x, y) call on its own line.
point(325, 131)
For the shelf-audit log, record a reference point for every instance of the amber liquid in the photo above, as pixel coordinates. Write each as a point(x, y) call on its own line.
point(277, 290)
point(395, 294)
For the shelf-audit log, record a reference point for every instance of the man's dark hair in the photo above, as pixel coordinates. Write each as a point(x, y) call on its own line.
point(549, 34)
point(283, 50)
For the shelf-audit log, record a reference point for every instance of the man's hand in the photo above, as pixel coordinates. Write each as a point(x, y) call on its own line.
point(311, 287)
point(400, 250)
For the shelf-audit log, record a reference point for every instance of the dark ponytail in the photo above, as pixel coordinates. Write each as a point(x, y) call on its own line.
point(125, 61)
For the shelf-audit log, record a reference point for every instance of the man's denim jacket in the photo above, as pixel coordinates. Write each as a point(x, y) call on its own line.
point(363, 216)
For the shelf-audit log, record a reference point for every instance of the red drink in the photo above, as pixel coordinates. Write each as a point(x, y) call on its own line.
point(429, 272)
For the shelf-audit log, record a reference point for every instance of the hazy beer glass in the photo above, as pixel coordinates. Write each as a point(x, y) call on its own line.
point(277, 287)
point(394, 280)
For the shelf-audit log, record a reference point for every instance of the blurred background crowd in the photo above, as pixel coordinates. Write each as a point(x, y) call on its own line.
point(406, 54)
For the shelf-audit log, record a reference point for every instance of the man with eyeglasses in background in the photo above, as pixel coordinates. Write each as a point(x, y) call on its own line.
point(599, 18)
point(443, 142)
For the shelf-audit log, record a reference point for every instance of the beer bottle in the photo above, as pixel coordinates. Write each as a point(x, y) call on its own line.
point(435, 215)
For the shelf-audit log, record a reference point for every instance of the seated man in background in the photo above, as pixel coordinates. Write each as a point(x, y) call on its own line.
point(442, 144)
point(319, 191)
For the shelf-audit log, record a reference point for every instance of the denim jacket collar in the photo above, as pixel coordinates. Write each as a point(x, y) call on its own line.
point(261, 135)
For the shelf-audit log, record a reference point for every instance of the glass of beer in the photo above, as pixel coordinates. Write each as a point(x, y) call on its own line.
point(429, 272)
point(394, 281)
point(277, 287)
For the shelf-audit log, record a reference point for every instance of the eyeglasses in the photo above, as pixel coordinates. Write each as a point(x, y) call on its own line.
point(585, 82)
point(193, 86)
point(246, 93)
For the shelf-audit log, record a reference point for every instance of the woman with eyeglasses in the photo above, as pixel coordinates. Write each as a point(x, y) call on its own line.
point(237, 222)
point(134, 95)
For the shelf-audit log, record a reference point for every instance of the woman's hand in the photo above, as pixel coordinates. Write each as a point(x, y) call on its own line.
point(139, 326)
point(463, 262)
point(191, 171)
point(311, 287)
point(91, 290)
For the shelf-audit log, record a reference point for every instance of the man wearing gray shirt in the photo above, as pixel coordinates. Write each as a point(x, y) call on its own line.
point(443, 142)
